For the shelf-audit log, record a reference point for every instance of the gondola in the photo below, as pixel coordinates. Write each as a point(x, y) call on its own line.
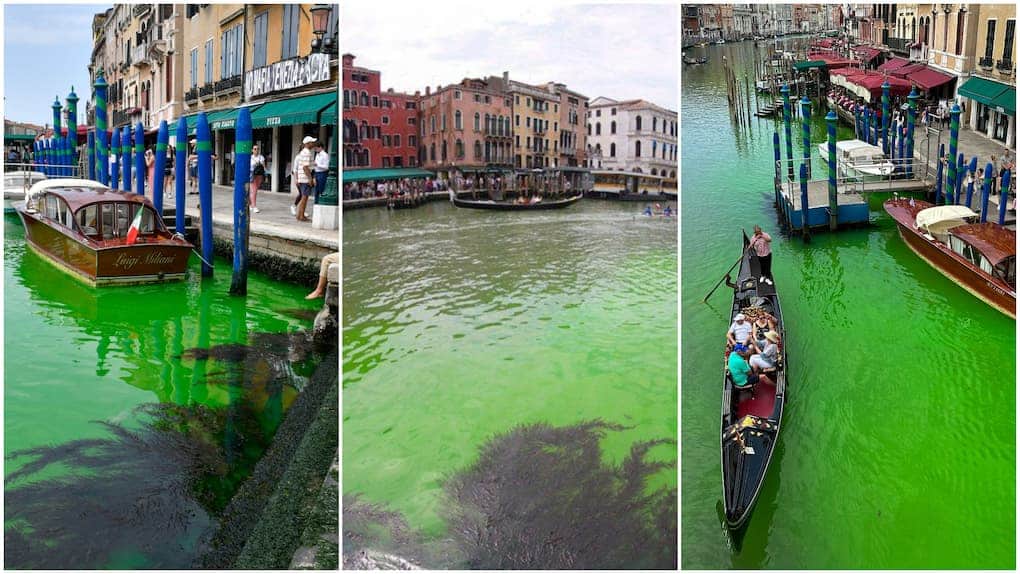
point(510, 206)
point(750, 418)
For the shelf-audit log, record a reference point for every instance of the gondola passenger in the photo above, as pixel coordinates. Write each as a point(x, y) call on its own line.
point(739, 332)
point(740, 369)
point(767, 356)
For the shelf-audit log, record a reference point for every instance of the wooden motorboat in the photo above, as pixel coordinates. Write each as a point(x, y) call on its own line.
point(751, 417)
point(980, 257)
point(83, 227)
point(511, 206)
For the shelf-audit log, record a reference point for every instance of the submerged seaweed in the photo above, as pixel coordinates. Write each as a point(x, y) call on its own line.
point(539, 497)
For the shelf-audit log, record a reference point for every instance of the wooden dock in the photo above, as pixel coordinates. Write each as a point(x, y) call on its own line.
point(901, 186)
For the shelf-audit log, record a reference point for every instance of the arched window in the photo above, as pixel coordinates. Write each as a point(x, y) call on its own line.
point(654, 171)
point(913, 29)
point(457, 123)
point(433, 118)
point(499, 125)
point(506, 126)
point(637, 123)
point(364, 98)
point(478, 149)
point(672, 174)
point(478, 120)
point(366, 160)
point(488, 120)
point(589, 129)
point(653, 148)
point(612, 127)
point(637, 148)
point(348, 157)
point(598, 149)
point(444, 151)
point(364, 130)
point(459, 148)
point(432, 152)
point(960, 15)
point(612, 149)
point(598, 129)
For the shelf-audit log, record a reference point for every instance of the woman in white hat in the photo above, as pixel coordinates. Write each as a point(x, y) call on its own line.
point(768, 356)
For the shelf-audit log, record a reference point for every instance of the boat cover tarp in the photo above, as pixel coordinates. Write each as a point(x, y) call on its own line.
point(941, 218)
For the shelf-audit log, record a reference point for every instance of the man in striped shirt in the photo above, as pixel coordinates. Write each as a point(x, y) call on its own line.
point(303, 166)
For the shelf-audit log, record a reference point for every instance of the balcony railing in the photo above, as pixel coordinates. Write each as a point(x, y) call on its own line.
point(1004, 66)
point(986, 62)
point(228, 84)
point(138, 55)
point(206, 90)
point(191, 95)
point(901, 45)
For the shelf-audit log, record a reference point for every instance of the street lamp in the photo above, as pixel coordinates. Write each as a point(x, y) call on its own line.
point(320, 24)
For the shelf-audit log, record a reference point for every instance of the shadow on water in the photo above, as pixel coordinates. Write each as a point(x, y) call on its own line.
point(539, 497)
point(147, 497)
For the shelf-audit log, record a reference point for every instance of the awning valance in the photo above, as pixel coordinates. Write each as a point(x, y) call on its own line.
point(350, 175)
point(292, 111)
point(989, 92)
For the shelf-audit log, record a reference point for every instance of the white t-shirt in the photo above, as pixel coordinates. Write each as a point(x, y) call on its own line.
point(321, 161)
point(741, 331)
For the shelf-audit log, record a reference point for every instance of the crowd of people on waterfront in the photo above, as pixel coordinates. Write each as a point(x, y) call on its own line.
point(412, 187)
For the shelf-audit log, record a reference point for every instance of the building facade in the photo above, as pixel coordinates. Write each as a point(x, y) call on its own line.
point(989, 94)
point(380, 128)
point(632, 135)
point(465, 127)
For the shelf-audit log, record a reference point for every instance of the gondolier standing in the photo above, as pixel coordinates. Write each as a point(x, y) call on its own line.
point(761, 242)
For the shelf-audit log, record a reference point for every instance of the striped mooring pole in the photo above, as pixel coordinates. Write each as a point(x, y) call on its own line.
point(158, 177)
point(125, 157)
point(180, 177)
point(242, 172)
point(72, 129)
point(776, 174)
point(805, 121)
point(102, 163)
point(954, 135)
point(911, 120)
point(1003, 197)
point(806, 234)
point(787, 110)
point(115, 154)
point(92, 155)
point(885, 118)
point(140, 169)
point(830, 121)
point(203, 147)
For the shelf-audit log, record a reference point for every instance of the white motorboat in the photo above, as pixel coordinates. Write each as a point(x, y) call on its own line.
point(17, 184)
point(858, 156)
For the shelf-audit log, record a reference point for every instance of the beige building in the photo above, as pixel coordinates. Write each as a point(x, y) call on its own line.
point(989, 93)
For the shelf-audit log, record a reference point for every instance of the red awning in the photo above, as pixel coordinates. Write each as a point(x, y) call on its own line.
point(904, 71)
point(893, 64)
point(867, 54)
point(928, 78)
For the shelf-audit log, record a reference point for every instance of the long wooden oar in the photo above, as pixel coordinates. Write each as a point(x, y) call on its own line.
point(723, 278)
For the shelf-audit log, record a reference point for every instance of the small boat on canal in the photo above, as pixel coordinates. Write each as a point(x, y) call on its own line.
point(100, 235)
point(858, 156)
point(695, 61)
point(980, 257)
point(16, 186)
point(751, 416)
point(541, 204)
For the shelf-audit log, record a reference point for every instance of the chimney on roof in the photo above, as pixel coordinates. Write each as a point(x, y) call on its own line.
point(348, 59)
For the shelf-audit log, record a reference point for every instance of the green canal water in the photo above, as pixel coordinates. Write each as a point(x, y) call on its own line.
point(131, 415)
point(898, 440)
point(461, 325)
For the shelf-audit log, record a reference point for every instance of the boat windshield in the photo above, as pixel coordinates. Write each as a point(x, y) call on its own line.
point(109, 220)
point(1006, 270)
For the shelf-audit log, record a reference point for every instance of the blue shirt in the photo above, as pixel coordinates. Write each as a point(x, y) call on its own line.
point(739, 369)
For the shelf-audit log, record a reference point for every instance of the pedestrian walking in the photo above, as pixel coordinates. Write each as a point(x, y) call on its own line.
point(303, 164)
point(150, 168)
point(192, 168)
point(258, 173)
point(168, 171)
point(321, 169)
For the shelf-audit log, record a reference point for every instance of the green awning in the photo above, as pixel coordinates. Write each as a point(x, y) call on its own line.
point(385, 173)
point(808, 64)
point(1006, 101)
point(226, 119)
point(19, 137)
point(293, 111)
point(328, 116)
point(982, 90)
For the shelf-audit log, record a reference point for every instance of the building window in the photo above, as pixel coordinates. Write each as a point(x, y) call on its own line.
point(433, 118)
point(960, 15)
point(432, 152)
point(612, 127)
point(1007, 47)
point(386, 162)
point(612, 149)
point(598, 129)
point(443, 125)
point(459, 149)
point(637, 148)
point(411, 121)
point(598, 113)
point(655, 122)
point(517, 120)
point(456, 94)
point(364, 98)
point(612, 111)
point(385, 120)
point(412, 141)
point(444, 151)
point(477, 120)
point(478, 149)
point(637, 123)
point(194, 67)
point(291, 17)
point(261, 39)
point(990, 40)
point(230, 53)
point(457, 122)
point(208, 61)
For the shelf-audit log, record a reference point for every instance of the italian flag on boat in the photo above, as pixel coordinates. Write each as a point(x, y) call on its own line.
point(136, 226)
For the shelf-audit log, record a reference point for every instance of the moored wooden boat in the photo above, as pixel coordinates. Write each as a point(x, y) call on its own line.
point(83, 226)
point(980, 257)
point(511, 206)
point(751, 418)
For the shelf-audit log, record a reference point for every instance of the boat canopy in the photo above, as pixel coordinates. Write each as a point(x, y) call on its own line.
point(942, 218)
point(40, 187)
point(993, 241)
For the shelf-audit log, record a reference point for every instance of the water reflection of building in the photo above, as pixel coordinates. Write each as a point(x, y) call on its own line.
point(632, 135)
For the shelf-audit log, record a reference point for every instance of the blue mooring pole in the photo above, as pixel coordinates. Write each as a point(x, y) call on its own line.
point(954, 134)
point(911, 120)
point(92, 155)
point(158, 177)
point(938, 174)
point(830, 120)
point(140, 170)
point(125, 157)
point(805, 120)
point(804, 203)
point(885, 118)
point(986, 186)
point(115, 151)
point(1003, 197)
point(180, 164)
point(242, 168)
point(102, 163)
point(961, 168)
point(203, 147)
point(787, 111)
point(970, 186)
